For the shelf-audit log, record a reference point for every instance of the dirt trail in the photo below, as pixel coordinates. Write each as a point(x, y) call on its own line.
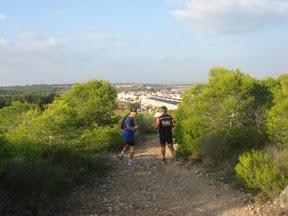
point(152, 188)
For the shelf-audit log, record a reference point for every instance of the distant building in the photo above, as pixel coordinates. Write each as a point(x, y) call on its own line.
point(155, 101)
point(149, 101)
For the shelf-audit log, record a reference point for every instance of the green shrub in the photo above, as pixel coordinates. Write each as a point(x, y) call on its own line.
point(33, 185)
point(116, 140)
point(28, 179)
point(259, 171)
point(73, 160)
point(43, 152)
point(100, 138)
point(232, 102)
point(11, 116)
point(85, 107)
point(187, 148)
point(178, 133)
point(93, 102)
point(146, 123)
point(214, 147)
point(2, 161)
point(281, 159)
point(23, 152)
point(278, 116)
point(228, 167)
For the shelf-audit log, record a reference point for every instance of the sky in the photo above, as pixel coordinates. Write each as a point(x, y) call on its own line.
point(143, 41)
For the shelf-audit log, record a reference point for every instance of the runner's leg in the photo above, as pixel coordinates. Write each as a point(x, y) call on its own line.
point(125, 148)
point(170, 144)
point(131, 154)
point(172, 150)
point(163, 151)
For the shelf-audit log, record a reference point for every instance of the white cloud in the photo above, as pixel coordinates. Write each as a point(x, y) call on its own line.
point(227, 16)
point(34, 41)
point(3, 17)
point(3, 42)
point(33, 45)
point(31, 41)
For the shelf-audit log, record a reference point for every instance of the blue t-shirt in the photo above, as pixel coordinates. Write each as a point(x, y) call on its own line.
point(128, 134)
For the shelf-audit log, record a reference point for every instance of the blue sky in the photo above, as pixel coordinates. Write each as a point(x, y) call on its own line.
point(152, 41)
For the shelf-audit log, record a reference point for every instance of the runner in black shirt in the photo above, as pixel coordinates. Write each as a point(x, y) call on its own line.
point(165, 123)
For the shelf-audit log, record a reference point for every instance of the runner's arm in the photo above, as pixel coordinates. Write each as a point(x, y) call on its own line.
point(173, 122)
point(129, 127)
point(157, 123)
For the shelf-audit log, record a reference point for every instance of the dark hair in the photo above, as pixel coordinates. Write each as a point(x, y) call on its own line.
point(164, 108)
point(133, 110)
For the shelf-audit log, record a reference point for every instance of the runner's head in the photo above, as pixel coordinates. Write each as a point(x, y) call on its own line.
point(133, 112)
point(163, 109)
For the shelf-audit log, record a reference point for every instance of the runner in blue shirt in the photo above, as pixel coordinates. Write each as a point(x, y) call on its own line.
point(128, 135)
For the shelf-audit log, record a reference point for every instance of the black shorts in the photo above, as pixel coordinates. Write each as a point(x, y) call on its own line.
point(130, 142)
point(165, 139)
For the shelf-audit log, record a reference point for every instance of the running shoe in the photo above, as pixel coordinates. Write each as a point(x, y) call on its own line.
point(131, 162)
point(120, 156)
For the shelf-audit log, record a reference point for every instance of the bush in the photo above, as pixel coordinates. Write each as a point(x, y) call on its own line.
point(43, 152)
point(116, 140)
point(146, 123)
point(280, 157)
point(73, 160)
point(32, 186)
point(186, 150)
point(259, 171)
point(232, 102)
point(2, 161)
point(85, 107)
point(278, 117)
point(29, 179)
point(93, 102)
point(214, 148)
point(11, 116)
point(100, 138)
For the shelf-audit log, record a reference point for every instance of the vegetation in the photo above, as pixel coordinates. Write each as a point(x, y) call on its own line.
point(146, 123)
point(43, 151)
point(277, 117)
point(49, 142)
point(259, 171)
point(33, 98)
point(222, 121)
point(36, 94)
point(230, 105)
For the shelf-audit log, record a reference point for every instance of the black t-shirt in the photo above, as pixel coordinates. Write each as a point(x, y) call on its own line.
point(165, 124)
